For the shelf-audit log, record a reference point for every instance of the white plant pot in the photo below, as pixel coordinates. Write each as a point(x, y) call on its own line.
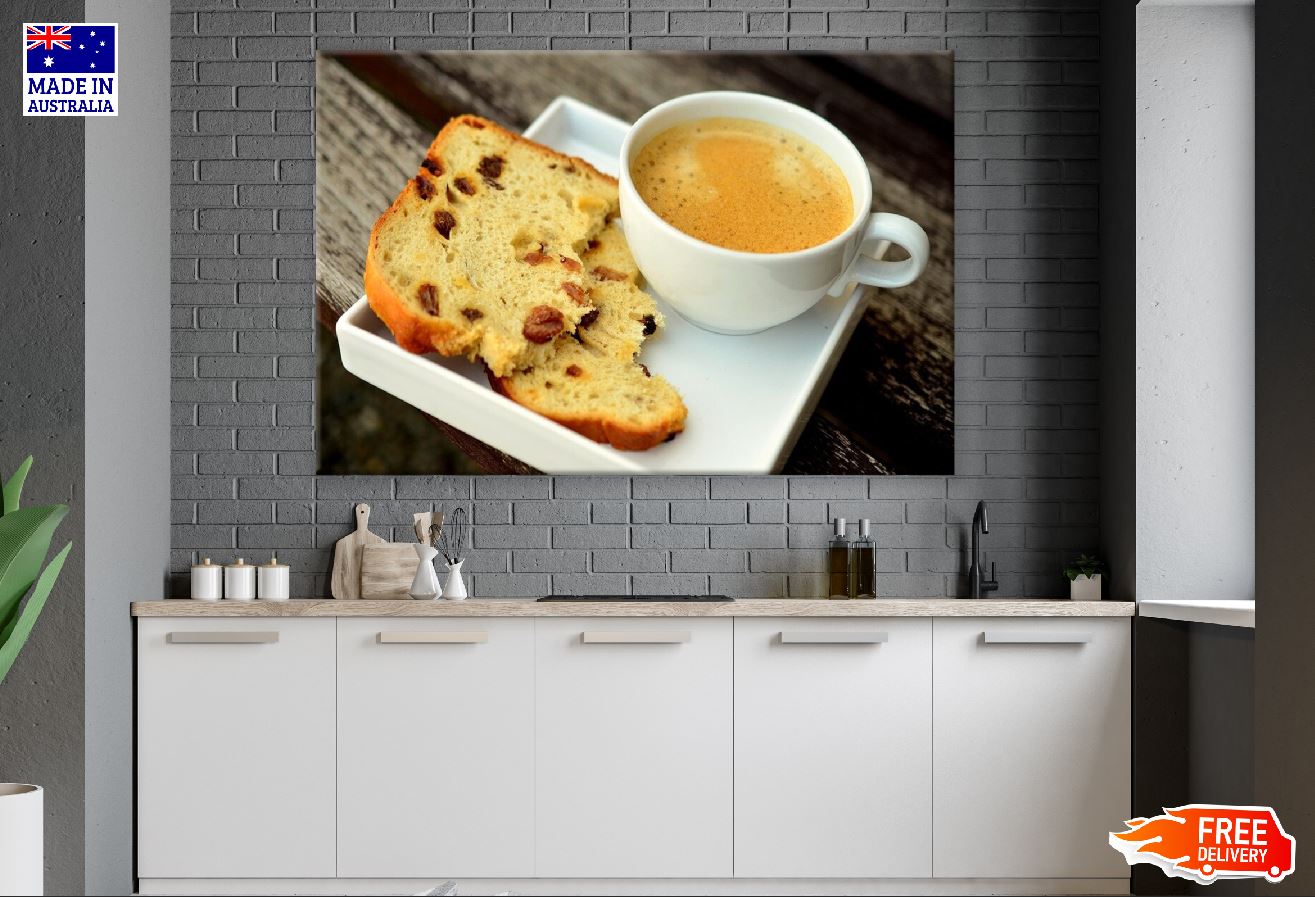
point(22, 855)
point(1085, 588)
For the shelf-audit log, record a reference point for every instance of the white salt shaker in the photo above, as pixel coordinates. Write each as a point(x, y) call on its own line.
point(272, 580)
point(239, 581)
point(207, 581)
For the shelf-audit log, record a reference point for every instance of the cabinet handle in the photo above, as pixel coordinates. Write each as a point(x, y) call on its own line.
point(222, 638)
point(1005, 637)
point(433, 638)
point(838, 637)
point(635, 638)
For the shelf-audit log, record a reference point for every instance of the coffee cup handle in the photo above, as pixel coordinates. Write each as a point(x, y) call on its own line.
point(884, 227)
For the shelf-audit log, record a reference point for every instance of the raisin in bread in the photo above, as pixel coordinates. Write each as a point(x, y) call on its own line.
point(479, 255)
point(593, 384)
point(626, 314)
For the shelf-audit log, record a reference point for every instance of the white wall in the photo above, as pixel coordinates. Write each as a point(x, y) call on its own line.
point(1195, 302)
point(127, 414)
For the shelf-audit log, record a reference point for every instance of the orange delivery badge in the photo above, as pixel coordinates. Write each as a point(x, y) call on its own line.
point(1207, 842)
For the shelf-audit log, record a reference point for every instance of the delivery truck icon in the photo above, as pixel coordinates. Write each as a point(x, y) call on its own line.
point(1207, 842)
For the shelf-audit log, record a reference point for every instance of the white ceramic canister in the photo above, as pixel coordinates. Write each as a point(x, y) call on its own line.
point(272, 581)
point(239, 581)
point(207, 581)
point(22, 858)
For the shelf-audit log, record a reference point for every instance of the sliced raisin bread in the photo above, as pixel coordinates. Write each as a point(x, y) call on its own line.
point(593, 384)
point(479, 255)
point(626, 314)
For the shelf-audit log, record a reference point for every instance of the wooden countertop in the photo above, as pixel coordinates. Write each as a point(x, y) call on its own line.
point(521, 607)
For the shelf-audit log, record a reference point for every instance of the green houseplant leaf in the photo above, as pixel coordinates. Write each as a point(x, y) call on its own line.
point(14, 488)
point(25, 537)
point(1084, 565)
point(15, 635)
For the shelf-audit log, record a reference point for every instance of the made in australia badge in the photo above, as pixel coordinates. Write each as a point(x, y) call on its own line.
point(70, 69)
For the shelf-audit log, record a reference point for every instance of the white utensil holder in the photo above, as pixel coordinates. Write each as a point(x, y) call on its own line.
point(455, 588)
point(425, 585)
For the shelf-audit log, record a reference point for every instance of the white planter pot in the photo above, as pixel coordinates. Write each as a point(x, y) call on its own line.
point(1085, 588)
point(22, 855)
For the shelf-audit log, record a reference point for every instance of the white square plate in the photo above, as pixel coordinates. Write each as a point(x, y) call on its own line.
point(748, 396)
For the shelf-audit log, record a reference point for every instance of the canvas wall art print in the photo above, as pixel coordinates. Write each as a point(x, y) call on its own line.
point(635, 263)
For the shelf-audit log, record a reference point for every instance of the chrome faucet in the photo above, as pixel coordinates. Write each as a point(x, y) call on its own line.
point(977, 585)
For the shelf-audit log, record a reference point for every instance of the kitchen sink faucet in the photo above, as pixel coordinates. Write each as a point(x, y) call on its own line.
point(977, 585)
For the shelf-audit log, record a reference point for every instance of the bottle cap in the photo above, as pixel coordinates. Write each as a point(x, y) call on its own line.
point(840, 526)
point(865, 528)
point(205, 562)
point(273, 562)
point(239, 563)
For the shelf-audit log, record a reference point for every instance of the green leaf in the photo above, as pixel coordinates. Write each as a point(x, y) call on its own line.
point(24, 540)
point(16, 638)
point(14, 488)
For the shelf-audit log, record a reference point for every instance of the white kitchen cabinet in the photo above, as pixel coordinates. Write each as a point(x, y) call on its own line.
point(1032, 756)
point(833, 745)
point(235, 748)
point(634, 748)
point(435, 747)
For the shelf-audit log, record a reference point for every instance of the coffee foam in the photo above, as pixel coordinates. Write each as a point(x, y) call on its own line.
point(743, 184)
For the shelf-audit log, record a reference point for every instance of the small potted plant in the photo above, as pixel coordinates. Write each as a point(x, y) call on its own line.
point(25, 535)
point(1084, 578)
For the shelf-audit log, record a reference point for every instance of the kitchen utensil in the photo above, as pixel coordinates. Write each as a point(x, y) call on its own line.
point(452, 540)
point(436, 528)
point(387, 570)
point(425, 584)
point(207, 581)
point(346, 579)
point(745, 419)
point(272, 581)
point(239, 581)
point(421, 523)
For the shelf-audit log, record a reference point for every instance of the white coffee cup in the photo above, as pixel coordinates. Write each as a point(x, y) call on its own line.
point(731, 291)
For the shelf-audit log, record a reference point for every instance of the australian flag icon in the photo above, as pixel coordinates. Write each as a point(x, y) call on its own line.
point(69, 49)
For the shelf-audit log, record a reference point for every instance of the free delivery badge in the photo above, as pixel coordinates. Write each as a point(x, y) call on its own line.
point(1207, 842)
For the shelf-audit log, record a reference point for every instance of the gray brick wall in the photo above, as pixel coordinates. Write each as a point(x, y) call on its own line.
point(1027, 435)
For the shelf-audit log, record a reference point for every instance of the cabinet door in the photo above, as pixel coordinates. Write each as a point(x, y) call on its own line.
point(1032, 746)
point(634, 729)
point(435, 748)
point(235, 748)
point(833, 748)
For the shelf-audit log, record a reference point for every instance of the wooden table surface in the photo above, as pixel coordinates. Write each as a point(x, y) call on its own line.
point(889, 407)
point(528, 607)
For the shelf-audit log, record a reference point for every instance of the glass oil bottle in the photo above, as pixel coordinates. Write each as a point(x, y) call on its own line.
point(840, 564)
point(865, 562)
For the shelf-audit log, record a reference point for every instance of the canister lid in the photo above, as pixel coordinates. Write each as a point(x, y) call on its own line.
point(239, 563)
point(205, 562)
point(273, 562)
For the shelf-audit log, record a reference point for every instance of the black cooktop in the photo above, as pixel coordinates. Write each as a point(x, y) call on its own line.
point(692, 598)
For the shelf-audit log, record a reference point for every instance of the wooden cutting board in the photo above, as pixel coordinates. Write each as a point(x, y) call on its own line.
point(346, 579)
point(387, 570)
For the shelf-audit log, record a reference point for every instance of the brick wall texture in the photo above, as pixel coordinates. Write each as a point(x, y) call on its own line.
point(1027, 439)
